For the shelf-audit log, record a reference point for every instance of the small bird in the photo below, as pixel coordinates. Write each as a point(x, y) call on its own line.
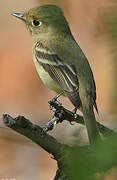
point(60, 62)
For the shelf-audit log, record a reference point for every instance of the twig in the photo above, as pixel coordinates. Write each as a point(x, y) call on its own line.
point(62, 114)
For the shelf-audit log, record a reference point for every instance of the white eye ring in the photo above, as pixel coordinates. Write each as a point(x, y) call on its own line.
point(36, 23)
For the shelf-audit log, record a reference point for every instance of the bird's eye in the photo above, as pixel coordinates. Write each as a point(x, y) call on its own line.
point(37, 23)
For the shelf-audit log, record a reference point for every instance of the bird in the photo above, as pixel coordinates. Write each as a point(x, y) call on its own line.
point(60, 62)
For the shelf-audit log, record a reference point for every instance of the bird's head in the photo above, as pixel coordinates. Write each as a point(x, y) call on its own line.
point(44, 20)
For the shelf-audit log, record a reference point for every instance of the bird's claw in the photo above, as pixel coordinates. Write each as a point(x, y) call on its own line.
point(71, 123)
point(54, 100)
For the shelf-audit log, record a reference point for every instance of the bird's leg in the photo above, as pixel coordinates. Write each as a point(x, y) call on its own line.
point(74, 112)
point(50, 125)
point(55, 100)
point(57, 118)
point(57, 96)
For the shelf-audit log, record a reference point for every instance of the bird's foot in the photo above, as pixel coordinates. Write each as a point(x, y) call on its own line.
point(57, 118)
point(50, 124)
point(54, 100)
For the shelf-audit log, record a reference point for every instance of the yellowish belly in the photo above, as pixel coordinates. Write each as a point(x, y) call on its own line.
point(46, 79)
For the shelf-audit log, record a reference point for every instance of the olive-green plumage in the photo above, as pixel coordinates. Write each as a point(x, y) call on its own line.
point(60, 62)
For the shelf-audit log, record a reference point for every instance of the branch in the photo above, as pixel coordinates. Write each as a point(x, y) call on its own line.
point(34, 132)
point(88, 160)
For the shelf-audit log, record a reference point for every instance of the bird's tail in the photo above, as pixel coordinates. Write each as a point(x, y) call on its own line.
point(90, 120)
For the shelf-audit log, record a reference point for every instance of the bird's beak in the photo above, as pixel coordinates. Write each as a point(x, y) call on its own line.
point(19, 15)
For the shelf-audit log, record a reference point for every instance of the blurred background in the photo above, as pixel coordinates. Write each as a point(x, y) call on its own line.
point(94, 26)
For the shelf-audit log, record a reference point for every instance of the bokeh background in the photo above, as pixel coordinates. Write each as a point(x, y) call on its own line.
point(94, 26)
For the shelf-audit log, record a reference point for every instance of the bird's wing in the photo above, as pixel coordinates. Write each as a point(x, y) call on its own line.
point(64, 74)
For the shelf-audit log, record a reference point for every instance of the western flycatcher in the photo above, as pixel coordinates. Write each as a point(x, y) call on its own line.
point(60, 62)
